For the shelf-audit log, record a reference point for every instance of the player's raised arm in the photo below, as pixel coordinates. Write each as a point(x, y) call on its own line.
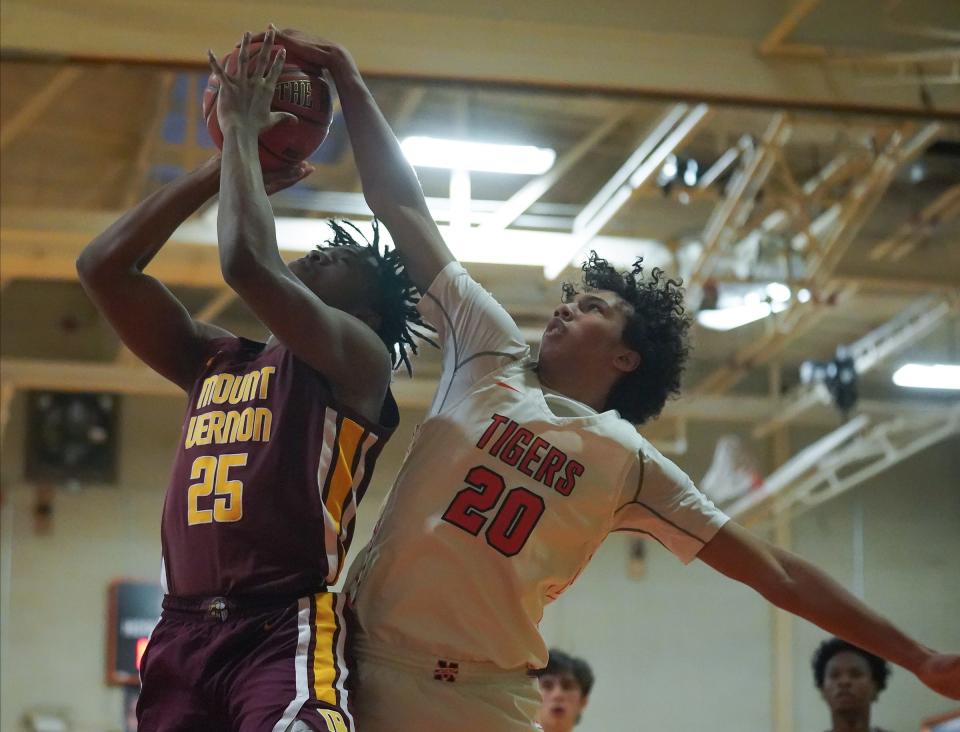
point(145, 314)
point(795, 585)
point(341, 346)
point(390, 184)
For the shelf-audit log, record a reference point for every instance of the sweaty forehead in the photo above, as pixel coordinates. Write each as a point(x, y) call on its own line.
point(356, 255)
point(608, 296)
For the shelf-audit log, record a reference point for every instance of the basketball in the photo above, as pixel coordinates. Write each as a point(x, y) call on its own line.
point(305, 95)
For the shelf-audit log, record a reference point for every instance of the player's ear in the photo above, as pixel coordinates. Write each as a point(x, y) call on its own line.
point(627, 360)
point(583, 705)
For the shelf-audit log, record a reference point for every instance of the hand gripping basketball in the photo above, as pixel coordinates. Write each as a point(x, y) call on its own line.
point(290, 109)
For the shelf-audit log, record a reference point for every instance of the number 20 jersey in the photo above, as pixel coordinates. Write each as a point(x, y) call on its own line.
point(500, 503)
point(267, 477)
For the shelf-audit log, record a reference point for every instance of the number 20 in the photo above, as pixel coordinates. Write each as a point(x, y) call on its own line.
point(513, 522)
point(212, 472)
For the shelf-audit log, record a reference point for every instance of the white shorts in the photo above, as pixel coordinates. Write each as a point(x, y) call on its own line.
point(400, 691)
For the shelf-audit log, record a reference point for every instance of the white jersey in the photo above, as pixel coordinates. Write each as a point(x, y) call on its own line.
point(500, 502)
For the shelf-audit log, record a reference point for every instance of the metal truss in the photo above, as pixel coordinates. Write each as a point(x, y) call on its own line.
point(675, 127)
point(914, 233)
point(893, 336)
point(820, 242)
point(843, 460)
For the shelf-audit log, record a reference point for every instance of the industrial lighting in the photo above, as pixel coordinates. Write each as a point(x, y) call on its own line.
point(676, 170)
point(838, 376)
point(734, 311)
point(778, 292)
point(670, 168)
point(434, 152)
point(733, 317)
point(928, 376)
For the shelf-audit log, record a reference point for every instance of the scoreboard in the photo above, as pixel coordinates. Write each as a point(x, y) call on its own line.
point(133, 611)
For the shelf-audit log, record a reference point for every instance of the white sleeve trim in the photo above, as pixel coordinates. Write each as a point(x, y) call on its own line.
point(476, 334)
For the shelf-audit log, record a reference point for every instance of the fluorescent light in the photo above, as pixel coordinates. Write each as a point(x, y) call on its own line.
point(434, 152)
point(778, 292)
point(733, 317)
point(928, 376)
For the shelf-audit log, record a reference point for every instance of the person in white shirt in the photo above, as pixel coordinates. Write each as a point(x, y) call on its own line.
point(523, 466)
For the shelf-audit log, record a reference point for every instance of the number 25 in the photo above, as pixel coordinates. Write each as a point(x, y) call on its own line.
point(513, 522)
point(212, 472)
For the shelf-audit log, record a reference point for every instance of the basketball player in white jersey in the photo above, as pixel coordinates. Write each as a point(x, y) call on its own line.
point(523, 467)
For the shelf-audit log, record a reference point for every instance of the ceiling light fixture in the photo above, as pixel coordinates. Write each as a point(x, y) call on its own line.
point(732, 310)
point(928, 376)
point(435, 152)
point(733, 317)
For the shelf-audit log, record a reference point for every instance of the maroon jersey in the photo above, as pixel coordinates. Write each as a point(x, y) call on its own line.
point(267, 476)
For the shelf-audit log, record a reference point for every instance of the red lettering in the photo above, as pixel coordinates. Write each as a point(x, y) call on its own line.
point(532, 455)
point(491, 430)
point(511, 426)
point(549, 467)
point(565, 486)
point(515, 446)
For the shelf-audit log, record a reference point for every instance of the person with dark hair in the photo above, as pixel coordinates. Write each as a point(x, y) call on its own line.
point(565, 684)
point(523, 466)
point(279, 439)
point(849, 679)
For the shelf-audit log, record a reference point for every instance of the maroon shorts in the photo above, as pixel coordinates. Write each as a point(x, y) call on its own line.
point(218, 664)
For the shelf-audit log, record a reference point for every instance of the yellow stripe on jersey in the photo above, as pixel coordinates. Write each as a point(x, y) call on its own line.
point(342, 480)
point(324, 659)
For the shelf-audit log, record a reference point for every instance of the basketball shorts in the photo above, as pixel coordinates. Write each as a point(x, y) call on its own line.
point(400, 691)
point(225, 665)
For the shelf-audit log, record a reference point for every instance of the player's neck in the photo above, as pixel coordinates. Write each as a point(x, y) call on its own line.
point(574, 386)
point(852, 721)
point(559, 727)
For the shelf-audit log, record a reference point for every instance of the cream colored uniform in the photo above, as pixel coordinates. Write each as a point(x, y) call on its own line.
point(504, 496)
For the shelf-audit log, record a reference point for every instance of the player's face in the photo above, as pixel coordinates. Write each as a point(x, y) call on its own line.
point(343, 277)
point(848, 684)
point(591, 324)
point(562, 704)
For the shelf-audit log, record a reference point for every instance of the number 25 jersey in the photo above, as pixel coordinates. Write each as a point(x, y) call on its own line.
point(500, 502)
point(267, 478)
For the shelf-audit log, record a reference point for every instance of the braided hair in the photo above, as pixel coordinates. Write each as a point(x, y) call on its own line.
point(396, 295)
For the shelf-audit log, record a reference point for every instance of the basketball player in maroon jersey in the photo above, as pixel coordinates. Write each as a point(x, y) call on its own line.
point(278, 443)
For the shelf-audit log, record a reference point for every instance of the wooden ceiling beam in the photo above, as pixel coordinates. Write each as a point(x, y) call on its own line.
point(38, 103)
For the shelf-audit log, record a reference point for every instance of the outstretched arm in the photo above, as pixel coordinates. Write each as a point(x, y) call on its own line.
point(795, 585)
point(145, 314)
point(338, 345)
point(390, 184)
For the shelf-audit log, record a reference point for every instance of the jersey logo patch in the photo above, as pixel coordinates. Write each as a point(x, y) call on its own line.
point(446, 671)
point(506, 386)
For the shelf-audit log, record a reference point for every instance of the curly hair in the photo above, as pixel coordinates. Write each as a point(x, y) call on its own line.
point(879, 669)
point(560, 663)
point(396, 294)
point(657, 330)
